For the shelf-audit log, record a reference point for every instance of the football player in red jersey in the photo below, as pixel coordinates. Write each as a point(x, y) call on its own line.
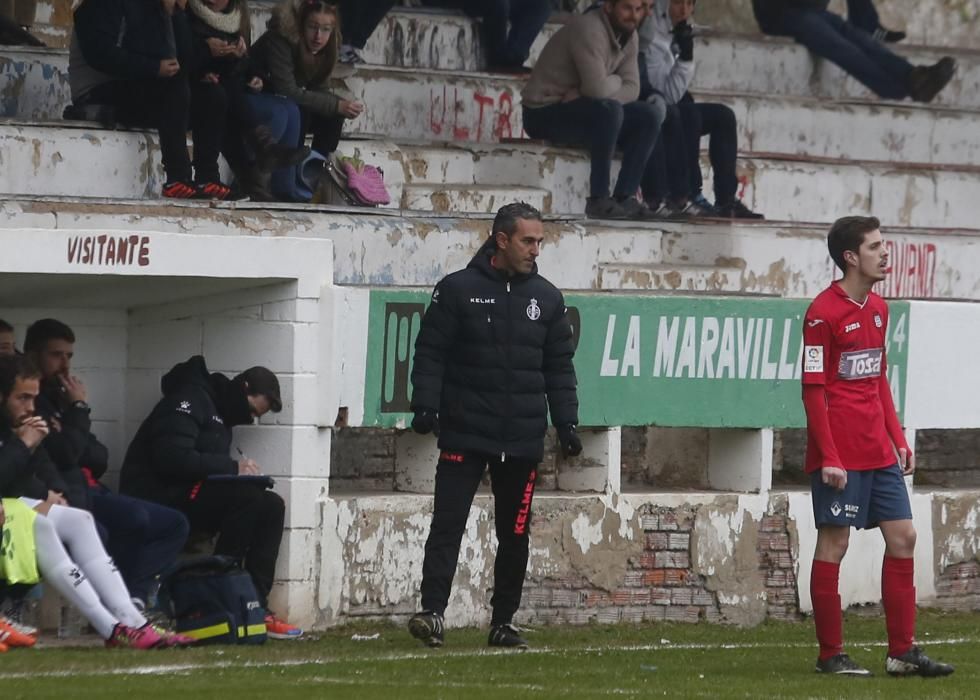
point(857, 454)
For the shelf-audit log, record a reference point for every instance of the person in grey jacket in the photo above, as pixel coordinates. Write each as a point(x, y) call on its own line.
point(667, 70)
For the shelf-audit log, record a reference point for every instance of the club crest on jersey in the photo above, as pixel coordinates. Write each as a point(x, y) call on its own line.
point(533, 310)
point(860, 364)
point(877, 321)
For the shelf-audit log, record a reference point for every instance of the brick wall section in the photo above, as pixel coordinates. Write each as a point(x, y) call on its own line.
point(958, 587)
point(777, 568)
point(658, 586)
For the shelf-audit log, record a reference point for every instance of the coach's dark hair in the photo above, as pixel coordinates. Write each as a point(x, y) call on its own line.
point(13, 367)
point(507, 216)
point(848, 233)
point(40, 332)
point(5, 327)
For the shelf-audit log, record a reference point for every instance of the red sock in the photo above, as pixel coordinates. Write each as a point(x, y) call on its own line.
point(898, 600)
point(826, 607)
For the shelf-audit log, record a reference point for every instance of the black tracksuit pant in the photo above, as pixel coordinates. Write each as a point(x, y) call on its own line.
point(249, 522)
point(458, 476)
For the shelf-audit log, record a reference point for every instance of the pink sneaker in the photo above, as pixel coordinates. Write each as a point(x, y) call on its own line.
point(127, 637)
point(174, 639)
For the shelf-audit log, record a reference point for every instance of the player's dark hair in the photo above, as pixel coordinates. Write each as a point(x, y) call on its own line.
point(40, 332)
point(508, 215)
point(12, 368)
point(5, 327)
point(848, 233)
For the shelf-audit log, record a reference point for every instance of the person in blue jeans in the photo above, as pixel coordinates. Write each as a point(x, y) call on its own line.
point(829, 35)
point(143, 538)
point(583, 91)
point(281, 116)
point(506, 50)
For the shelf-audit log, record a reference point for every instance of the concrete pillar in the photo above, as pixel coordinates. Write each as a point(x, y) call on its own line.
point(415, 462)
point(740, 459)
point(598, 468)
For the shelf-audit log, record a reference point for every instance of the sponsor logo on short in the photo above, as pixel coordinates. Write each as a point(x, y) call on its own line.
point(835, 508)
point(533, 310)
point(813, 358)
point(860, 364)
point(850, 327)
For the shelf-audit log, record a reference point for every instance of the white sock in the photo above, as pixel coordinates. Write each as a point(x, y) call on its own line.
point(61, 572)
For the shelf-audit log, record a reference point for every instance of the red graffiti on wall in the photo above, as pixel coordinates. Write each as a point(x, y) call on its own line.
point(912, 270)
point(460, 120)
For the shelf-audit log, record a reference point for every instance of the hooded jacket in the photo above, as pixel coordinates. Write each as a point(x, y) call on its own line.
point(493, 354)
point(277, 56)
point(769, 13)
point(667, 75)
point(585, 56)
point(187, 436)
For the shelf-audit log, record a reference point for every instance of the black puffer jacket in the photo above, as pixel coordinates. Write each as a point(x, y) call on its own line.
point(494, 352)
point(23, 472)
point(769, 13)
point(187, 436)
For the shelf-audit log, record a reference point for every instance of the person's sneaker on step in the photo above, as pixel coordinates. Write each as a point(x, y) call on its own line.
point(925, 82)
point(506, 635)
point(428, 627)
point(841, 665)
point(11, 637)
point(145, 637)
point(179, 189)
point(603, 208)
point(350, 56)
point(888, 36)
point(635, 210)
point(915, 663)
point(735, 209)
point(707, 207)
point(215, 189)
point(277, 628)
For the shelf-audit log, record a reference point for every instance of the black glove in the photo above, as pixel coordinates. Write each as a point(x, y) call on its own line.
point(684, 40)
point(426, 421)
point(571, 443)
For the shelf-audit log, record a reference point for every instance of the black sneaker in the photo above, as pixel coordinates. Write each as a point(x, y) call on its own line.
point(604, 208)
point(427, 627)
point(888, 36)
point(925, 82)
point(506, 636)
point(841, 665)
point(736, 210)
point(636, 210)
point(915, 663)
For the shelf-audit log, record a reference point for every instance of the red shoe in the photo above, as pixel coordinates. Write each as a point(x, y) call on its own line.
point(179, 190)
point(280, 629)
point(10, 637)
point(3, 647)
point(127, 637)
point(212, 190)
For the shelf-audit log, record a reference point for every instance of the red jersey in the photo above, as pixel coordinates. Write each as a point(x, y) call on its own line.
point(844, 350)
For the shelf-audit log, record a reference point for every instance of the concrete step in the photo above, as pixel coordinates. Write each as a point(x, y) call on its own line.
point(672, 277)
point(444, 198)
point(56, 160)
point(436, 106)
point(415, 250)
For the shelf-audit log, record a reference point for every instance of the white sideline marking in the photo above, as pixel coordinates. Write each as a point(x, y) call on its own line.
point(164, 669)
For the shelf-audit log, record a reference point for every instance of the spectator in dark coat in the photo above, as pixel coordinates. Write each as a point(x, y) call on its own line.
point(360, 18)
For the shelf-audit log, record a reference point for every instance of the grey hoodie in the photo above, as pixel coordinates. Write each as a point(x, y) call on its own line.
point(667, 75)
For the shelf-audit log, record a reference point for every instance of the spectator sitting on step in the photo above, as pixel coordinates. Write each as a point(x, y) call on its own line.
point(360, 19)
point(125, 65)
point(863, 15)
point(674, 169)
point(180, 457)
point(298, 54)
point(827, 34)
point(268, 124)
point(16, 18)
point(87, 578)
point(8, 344)
point(583, 91)
point(143, 538)
point(506, 50)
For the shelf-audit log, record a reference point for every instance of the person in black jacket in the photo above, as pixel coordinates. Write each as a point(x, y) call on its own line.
point(494, 353)
point(181, 457)
point(828, 35)
point(143, 538)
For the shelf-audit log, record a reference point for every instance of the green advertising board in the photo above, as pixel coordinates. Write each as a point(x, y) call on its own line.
point(648, 360)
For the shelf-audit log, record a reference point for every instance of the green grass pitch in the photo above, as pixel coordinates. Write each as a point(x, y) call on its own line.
point(596, 661)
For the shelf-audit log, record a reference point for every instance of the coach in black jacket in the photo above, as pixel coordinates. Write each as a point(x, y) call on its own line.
point(493, 355)
point(186, 442)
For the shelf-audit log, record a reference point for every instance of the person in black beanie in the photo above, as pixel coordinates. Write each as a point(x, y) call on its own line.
point(494, 353)
point(180, 457)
